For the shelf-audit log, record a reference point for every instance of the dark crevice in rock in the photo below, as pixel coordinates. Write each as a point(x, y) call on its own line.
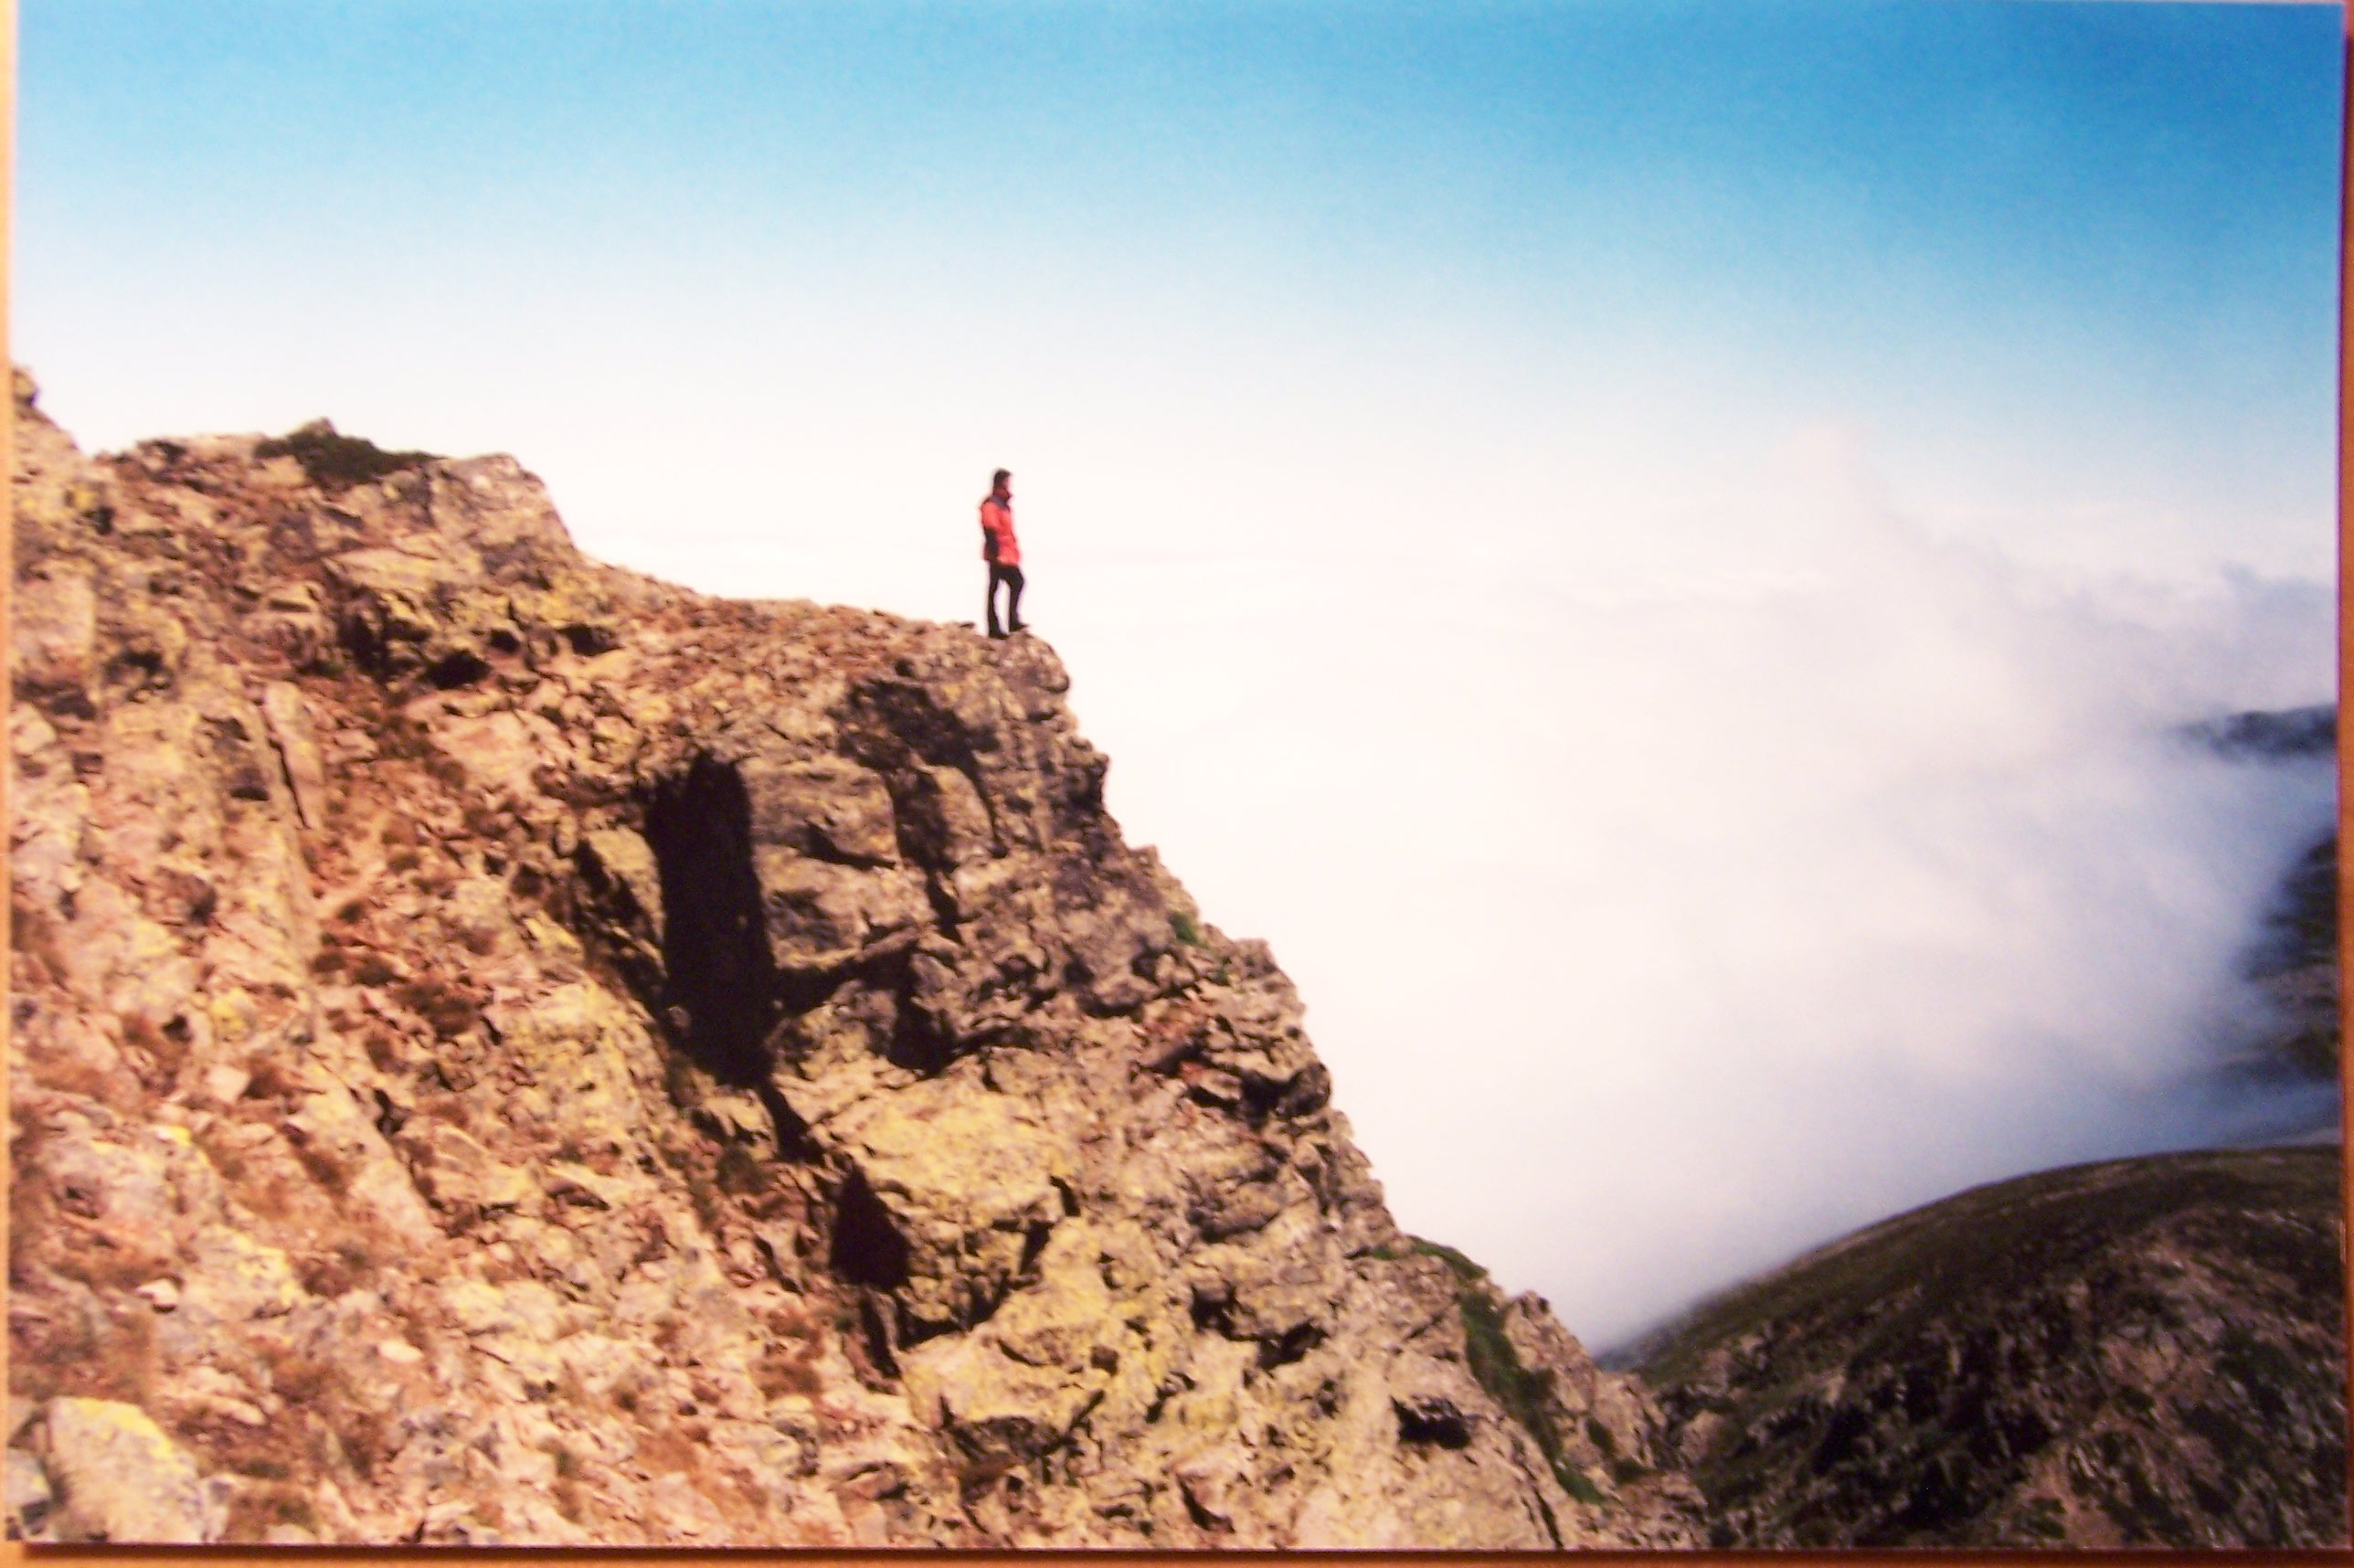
point(68, 703)
point(918, 1042)
point(1214, 1309)
point(1215, 1523)
point(720, 982)
point(1552, 1525)
point(876, 1328)
point(799, 991)
point(1034, 1241)
point(915, 1331)
point(1292, 1345)
point(938, 893)
point(792, 1133)
point(590, 641)
point(451, 670)
point(1433, 1421)
point(607, 917)
point(370, 646)
point(867, 1246)
point(139, 670)
point(1261, 1096)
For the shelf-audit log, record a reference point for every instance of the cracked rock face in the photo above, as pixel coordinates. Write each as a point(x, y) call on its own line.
point(509, 1050)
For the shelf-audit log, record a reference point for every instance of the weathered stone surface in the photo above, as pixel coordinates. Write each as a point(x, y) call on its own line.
point(298, 750)
point(121, 1479)
point(509, 1051)
point(31, 1498)
point(54, 616)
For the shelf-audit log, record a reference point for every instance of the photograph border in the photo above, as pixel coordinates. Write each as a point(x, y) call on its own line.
point(18, 1554)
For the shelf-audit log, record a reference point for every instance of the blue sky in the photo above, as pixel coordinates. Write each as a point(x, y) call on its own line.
point(2043, 254)
point(1642, 545)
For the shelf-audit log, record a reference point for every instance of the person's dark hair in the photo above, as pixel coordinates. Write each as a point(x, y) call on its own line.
point(1000, 477)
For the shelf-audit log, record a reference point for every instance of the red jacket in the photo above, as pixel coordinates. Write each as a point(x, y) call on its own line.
point(997, 525)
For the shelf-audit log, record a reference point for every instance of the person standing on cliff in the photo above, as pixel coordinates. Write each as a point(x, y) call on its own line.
point(1004, 554)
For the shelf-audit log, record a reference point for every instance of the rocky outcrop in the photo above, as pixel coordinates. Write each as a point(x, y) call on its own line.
point(2294, 965)
point(509, 1050)
point(2294, 962)
point(2144, 1352)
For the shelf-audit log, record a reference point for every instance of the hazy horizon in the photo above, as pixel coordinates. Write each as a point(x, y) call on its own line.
point(1651, 552)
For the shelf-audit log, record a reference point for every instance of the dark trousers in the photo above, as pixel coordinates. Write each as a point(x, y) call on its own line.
point(1012, 577)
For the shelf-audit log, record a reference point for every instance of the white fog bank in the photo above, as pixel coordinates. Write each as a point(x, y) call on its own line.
point(1657, 927)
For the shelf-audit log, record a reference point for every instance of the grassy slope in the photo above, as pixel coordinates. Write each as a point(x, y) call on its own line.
point(1955, 1354)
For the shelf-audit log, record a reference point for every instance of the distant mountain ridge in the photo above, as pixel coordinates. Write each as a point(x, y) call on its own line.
point(2294, 958)
point(2143, 1352)
point(2274, 735)
point(2294, 961)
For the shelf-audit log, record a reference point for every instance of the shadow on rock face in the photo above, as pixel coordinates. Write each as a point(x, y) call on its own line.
point(867, 1246)
point(720, 974)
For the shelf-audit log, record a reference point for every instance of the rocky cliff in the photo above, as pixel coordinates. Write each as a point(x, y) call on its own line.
point(505, 1049)
point(2144, 1352)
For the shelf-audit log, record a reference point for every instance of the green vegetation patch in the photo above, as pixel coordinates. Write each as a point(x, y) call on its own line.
point(1497, 1368)
point(335, 462)
point(1469, 1272)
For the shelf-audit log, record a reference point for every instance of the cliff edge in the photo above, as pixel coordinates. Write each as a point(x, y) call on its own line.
point(505, 1049)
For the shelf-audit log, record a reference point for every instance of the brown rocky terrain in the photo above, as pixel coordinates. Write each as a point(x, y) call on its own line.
point(505, 1049)
point(2144, 1352)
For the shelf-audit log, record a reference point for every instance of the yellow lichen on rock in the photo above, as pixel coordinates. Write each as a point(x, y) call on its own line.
point(121, 1479)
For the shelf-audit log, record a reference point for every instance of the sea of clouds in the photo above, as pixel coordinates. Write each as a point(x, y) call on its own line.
point(1662, 912)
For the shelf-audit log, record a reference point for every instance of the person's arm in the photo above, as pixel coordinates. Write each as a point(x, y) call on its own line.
point(988, 533)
